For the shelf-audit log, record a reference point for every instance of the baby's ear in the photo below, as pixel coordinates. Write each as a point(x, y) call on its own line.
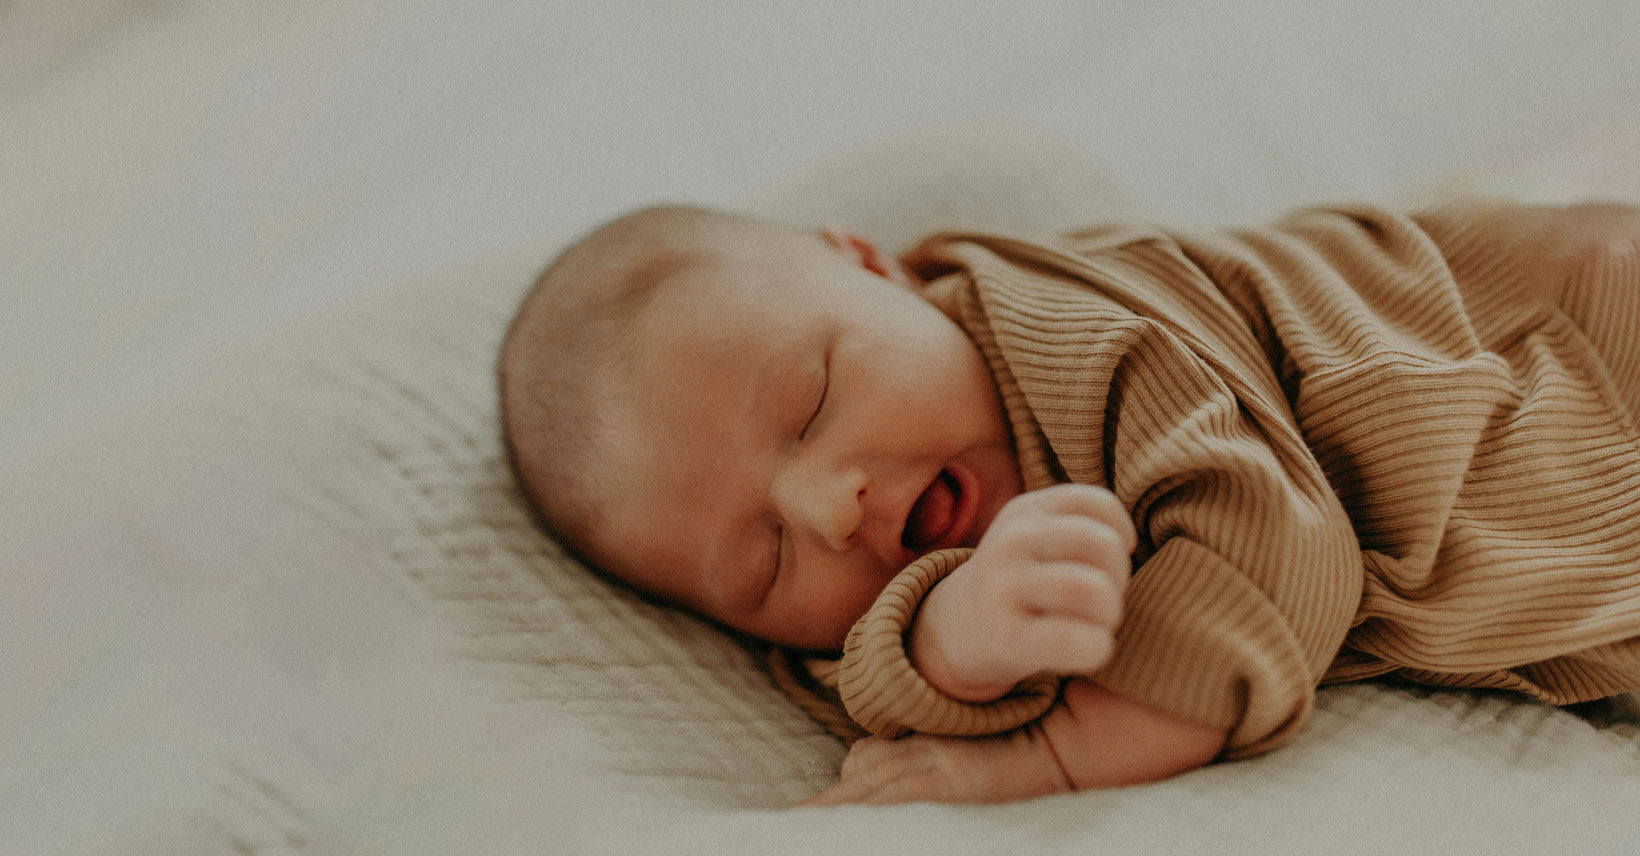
point(861, 251)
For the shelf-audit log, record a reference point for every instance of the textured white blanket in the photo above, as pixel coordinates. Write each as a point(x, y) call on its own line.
point(300, 609)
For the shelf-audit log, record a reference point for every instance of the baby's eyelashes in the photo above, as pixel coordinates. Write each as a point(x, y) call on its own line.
point(820, 399)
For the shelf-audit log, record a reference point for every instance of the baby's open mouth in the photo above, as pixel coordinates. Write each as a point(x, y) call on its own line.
point(933, 519)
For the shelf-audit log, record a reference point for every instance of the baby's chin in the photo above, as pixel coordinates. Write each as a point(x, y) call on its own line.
point(830, 634)
point(822, 641)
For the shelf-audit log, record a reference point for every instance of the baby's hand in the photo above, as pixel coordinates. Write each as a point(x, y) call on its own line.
point(1013, 766)
point(1091, 738)
point(1041, 593)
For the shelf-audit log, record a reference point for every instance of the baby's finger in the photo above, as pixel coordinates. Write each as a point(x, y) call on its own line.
point(866, 769)
point(849, 791)
point(1070, 538)
point(1070, 590)
point(1093, 502)
point(877, 771)
point(833, 795)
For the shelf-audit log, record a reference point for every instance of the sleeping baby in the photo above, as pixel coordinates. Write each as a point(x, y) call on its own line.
point(1031, 515)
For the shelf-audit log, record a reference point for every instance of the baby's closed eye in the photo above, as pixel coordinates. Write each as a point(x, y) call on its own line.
point(823, 392)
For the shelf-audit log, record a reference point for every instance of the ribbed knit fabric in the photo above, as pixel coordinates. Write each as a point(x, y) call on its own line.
point(888, 698)
point(1355, 443)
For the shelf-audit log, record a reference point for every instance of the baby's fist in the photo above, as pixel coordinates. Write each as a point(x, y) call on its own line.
point(1041, 593)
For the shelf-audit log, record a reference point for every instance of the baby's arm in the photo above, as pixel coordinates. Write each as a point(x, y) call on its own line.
point(1042, 593)
point(1092, 738)
point(1105, 740)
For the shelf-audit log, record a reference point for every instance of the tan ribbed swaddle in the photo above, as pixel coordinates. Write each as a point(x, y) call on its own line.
point(1355, 443)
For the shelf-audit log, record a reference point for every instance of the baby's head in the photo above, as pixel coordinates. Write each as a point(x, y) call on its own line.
point(759, 423)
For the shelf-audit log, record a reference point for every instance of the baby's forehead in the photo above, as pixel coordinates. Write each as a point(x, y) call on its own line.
point(713, 291)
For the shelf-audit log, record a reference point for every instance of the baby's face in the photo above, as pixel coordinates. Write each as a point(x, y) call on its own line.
point(793, 434)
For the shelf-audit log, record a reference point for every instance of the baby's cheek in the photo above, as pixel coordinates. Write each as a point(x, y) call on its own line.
point(840, 612)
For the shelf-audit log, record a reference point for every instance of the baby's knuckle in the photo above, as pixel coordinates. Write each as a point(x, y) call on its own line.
point(1016, 531)
point(1096, 595)
point(918, 754)
point(935, 768)
point(1013, 545)
point(1099, 647)
point(896, 758)
point(1112, 503)
point(1074, 537)
point(1108, 508)
point(1099, 602)
point(1111, 611)
point(863, 753)
point(1103, 537)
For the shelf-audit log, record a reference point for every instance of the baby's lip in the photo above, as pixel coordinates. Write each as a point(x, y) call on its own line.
point(950, 528)
point(967, 505)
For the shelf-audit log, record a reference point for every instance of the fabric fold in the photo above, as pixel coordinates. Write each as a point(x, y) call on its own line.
point(1355, 443)
point(885, 694)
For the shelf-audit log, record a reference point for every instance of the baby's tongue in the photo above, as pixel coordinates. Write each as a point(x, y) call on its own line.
point(931, 516)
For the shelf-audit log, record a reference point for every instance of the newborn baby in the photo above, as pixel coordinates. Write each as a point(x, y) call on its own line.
point(1100, 509)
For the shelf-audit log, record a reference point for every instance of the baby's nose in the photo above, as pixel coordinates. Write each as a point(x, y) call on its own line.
point(825, 501)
